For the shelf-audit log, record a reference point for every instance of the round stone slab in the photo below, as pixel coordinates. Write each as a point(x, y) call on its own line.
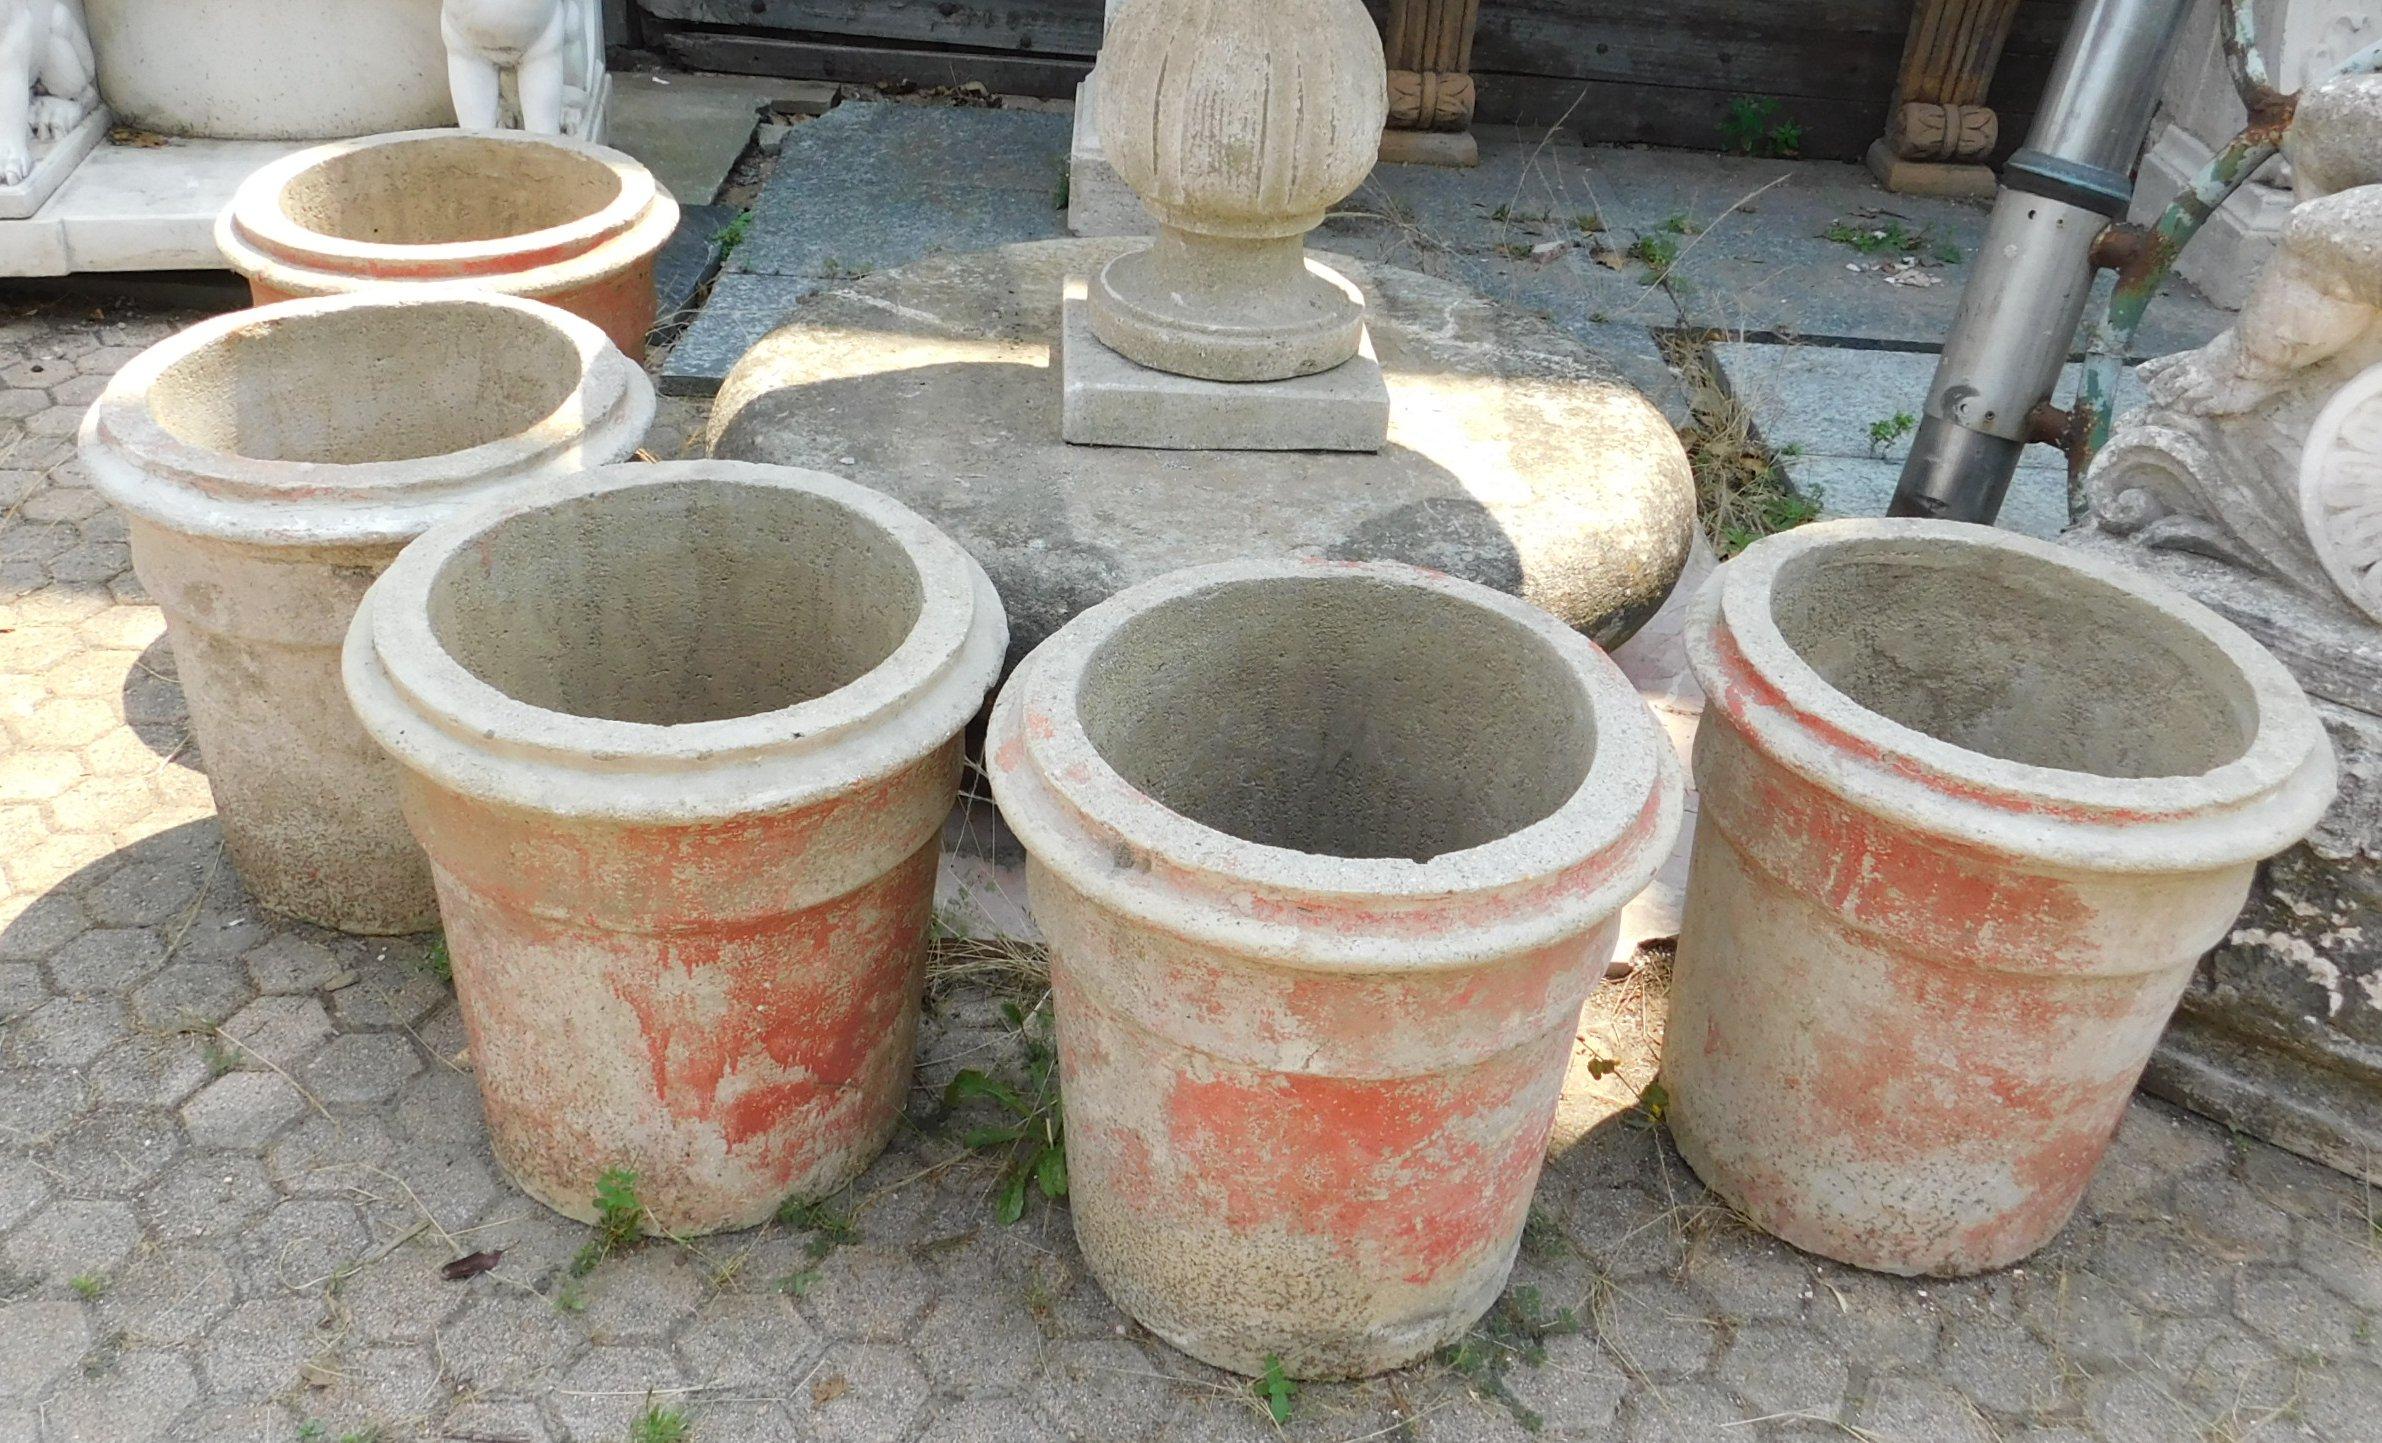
point(1516, 458)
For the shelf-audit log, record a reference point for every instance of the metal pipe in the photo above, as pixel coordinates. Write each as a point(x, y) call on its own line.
point(2018, 317)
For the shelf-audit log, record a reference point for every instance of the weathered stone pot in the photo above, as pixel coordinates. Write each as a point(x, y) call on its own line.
point(1328, 856)
point(200, 67)
point(679, 740)
point(270, 464)
point(554, 219)
point(1970, 812)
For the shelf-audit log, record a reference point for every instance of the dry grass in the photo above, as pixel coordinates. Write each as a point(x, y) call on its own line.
point(1742, 494)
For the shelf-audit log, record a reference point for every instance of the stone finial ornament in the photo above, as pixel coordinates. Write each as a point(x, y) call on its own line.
point(1238, 125)
point(48, 83)
point(2229, 458)
point(546, 44)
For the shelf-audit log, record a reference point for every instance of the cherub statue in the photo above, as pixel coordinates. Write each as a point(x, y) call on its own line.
point(2220, 462)
point(48, 82)
point(547, 44)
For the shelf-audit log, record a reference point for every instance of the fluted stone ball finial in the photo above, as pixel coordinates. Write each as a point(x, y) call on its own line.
point(1239, 123)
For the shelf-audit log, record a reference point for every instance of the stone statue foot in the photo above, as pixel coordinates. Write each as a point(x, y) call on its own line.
point(16, 162)
point(52, 116)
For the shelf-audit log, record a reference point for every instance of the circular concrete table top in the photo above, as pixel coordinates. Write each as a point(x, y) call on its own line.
point(1515, 458)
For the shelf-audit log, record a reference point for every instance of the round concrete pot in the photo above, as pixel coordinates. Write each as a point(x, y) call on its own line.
point(1328, 855)
point(1970, 813)
point(679, 740)
point(270, 464)
point(557, 220)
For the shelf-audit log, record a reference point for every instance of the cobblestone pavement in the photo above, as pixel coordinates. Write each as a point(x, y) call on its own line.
point(235, 1153)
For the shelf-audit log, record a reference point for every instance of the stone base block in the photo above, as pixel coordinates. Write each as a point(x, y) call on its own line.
point(1098, 202)
point(52, 163)
point(137, 208)
point(1429, 147)
point(2280, 1032)
point(1927, 177)
point(1112, 401)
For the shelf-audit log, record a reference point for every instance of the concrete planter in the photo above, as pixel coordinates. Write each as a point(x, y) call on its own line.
point(679, 740)
point(1970, 814)
point(270, 464)
point(196, 67)
point(557, 220)
point(1328, 856)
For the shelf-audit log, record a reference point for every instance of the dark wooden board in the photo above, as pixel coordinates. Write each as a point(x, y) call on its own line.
point(1659, 72)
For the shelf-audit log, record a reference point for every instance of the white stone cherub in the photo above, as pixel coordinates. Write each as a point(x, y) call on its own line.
point(531, 38)
point(48, 82)
point(2214, 464)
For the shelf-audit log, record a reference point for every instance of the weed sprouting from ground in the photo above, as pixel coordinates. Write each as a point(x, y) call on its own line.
point(658, 1425)
point(1278, 1390)
point(88, 1286)
point(1034, 1132)
point(1752, 126)
point(439, 962)
point(620, 1220)
point(1884, 433)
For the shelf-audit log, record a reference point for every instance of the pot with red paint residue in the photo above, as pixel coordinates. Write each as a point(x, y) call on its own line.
point(563, 221)
point(269, 464)
point(1971, 812)
point(679, 740)
point(1328, 856)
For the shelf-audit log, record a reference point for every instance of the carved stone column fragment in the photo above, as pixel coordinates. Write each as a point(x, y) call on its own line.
point(1429, 46)
point(1940, 130)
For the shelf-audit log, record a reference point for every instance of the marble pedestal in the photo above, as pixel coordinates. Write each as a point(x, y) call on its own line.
point(1515, 457)
point(2280, 1033)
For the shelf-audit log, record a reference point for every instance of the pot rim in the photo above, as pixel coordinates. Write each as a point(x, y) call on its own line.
point(440, 719)
point(2241, 810)
point(1542, 883)
point(261, 241)
point(194, 490)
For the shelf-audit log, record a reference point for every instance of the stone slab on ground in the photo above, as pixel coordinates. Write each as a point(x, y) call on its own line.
point(136, 208)
point(691, 257)
point(1814, 404)
point(868, 186)
point(256, 1266)
point(1756, 257)
point(1108, 400)
point(687, 128)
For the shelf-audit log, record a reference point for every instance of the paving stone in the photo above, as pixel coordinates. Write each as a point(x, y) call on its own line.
point(289, 963)
point(869, 1294)
point(1577, 1391)
point(609, 1387)
point(114, 1154)
point(2000, 1366)
point(2166, 1271)
point(196, 996)
point(1918, 1410)
point(972, 1347)
point(363, 1067)
point(1749, 1276)
point(2083, 1316)
point(642, 1296)
point(1658, 1329)
point(277, 1032)
point(241, 1109)
point(504, 1341)
point(65, 1032)
point(2300, 1315)
point(1780, 1369)
point(170, 1297)
point(208, 1195)
point(73, 1238)
point(260, 1349)
point(36, 1102)
point(39, 1342)
point(134, 1400)
point(861, 1392)
point(1684, 1413)
point(988, 1421)
point(110, 959)
point(749, 1341)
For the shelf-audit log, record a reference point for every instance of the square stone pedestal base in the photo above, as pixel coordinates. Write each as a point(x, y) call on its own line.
point(1927, 177)
point(1111, 401)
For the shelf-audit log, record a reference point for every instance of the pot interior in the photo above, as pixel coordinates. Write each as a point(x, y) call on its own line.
point(2015, 657)
point(440, 190)
point(365, 384)
point(675, 603)
point(1340, 715)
